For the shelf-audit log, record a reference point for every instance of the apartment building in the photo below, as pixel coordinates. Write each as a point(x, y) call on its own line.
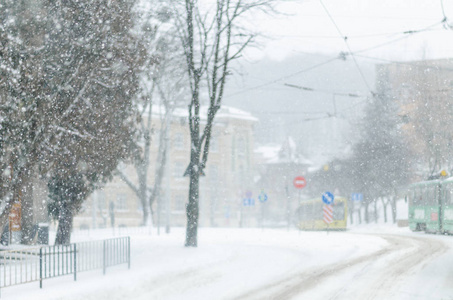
point(422, 92)
point(229, 174)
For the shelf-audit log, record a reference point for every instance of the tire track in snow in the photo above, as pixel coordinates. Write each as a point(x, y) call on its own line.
point(375, 276)
point(408, 256)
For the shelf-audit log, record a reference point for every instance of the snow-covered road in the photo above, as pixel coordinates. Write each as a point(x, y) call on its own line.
point(269, 264)
point(379, 275)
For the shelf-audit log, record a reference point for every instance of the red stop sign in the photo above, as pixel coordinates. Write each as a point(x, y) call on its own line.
point(299, 182)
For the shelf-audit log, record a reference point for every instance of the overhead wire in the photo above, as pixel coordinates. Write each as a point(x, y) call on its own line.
point(372, 17)
point(352, 95)
point(282, 78)
point(308, 113)
point(336, 36)
point(345, 39)
point(342, 55)
point(445, 20)
point(309, 89)
point(407, 33)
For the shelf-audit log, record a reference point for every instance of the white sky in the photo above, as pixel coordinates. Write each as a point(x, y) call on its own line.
point(306, 27)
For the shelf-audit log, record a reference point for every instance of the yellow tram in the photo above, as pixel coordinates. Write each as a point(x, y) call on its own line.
point(309, 215)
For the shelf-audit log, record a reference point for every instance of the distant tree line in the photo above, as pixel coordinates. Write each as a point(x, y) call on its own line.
point(379, 164)
point(404, 137)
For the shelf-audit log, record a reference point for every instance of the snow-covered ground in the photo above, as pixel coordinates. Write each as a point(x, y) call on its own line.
point(232, 263)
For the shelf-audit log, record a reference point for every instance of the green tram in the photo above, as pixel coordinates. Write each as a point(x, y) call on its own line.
point(431, 206)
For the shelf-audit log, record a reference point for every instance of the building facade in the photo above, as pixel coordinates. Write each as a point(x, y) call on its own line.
point(229, 174)
point(423, 93)
point(278, 167)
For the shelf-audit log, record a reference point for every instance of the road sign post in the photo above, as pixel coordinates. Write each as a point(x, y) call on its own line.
point(327, 215)
point(262, 198)
point(328, 198)
point(299, 183)
point(247, 201)
point(288, 208)
point(298, 211)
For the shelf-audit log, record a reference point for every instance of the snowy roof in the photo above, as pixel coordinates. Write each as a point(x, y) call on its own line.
point(225, 112)
point(234, 113)
point(284, 153)
point(268, 152)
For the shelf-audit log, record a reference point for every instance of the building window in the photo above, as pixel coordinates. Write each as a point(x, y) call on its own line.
point(241, 147)
point(213, 173)
point(178, 141)
point(178, 169)
point(121, 202)
point(139, 205)
point(233, 154)
point(180, 202)
point(247, 153)
point(99, 198)
point(214, 144)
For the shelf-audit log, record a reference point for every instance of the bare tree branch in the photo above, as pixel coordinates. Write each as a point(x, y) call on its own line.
point(128, 182)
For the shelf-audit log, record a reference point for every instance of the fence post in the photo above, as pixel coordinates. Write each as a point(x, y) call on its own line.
point(104, 262)
point(40, 268)
point(128, 252)
point(75, 262)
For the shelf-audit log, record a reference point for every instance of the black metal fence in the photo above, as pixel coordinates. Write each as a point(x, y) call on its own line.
point(39, 263)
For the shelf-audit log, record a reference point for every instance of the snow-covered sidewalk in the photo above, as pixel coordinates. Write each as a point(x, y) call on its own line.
point(227, 263)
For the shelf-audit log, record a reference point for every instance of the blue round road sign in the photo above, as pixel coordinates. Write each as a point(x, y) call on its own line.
point(262, 197)
point(327, 198)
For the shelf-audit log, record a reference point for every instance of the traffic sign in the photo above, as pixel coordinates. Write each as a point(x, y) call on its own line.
point(327, 214)
point(299, 182)
point(357, 197)
point(248, 202)
point(327, 198)
point(262, 197)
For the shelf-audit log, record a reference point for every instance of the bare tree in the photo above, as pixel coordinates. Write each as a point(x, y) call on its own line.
point(381, 159)
point(212, 37)
point(161, 84)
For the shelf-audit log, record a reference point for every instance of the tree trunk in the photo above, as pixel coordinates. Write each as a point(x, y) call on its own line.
point(26, 199)
point(393, 206)
point(64, 229)
point(359, 214)
point(192, 210)
point(367, 215)
point(160, 172)
point(351, 212)
point(4, 216)
point(212, 211)
point(384, 205)
point(143, 199)
point(8, 198)
point(375, 211)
